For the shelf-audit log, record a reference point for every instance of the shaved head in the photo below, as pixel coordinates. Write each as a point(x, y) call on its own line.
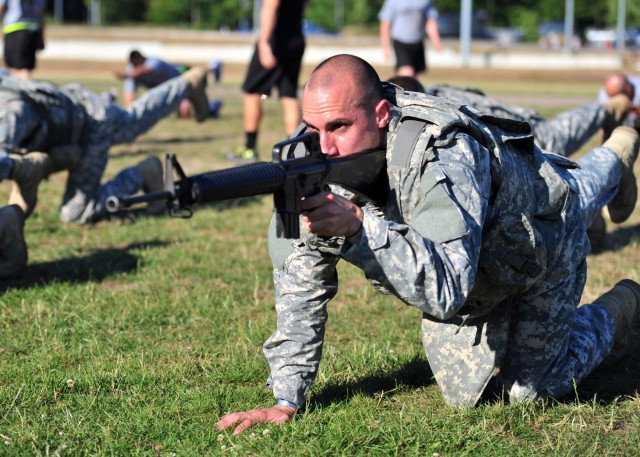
point(618, 83)
point(351, 71)
point(615, 84)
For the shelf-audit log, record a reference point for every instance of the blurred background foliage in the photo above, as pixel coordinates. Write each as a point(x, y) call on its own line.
point(347, 16)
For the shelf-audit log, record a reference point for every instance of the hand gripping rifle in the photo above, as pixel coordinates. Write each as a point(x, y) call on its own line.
point(298, 169)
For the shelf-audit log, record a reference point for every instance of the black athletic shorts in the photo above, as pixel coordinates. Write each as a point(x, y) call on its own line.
point(410, 54)
point(20, 49)
point(284, 75)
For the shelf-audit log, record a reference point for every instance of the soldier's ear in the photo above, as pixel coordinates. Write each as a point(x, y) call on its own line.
point(383, 113)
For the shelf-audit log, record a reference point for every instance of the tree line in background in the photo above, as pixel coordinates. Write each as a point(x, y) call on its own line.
point(350, 15)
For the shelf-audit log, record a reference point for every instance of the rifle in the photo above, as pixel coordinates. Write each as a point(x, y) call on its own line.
point(298, 169)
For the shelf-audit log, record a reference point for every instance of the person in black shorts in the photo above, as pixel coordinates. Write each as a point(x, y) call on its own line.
point(410, 55)
point(276, 62)
point(404, 24)
point(23, 28)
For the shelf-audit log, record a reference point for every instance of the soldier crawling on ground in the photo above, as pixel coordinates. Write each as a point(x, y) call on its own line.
point(565, 134)
point(46, 129)
point(482, 232)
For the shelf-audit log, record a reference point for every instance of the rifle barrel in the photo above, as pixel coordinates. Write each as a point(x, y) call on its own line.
point(258, 178)
point(114, 204)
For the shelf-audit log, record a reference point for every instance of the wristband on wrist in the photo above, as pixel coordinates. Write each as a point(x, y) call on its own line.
point(281, 402)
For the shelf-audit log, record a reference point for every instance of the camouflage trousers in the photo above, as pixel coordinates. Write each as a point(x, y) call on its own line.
point(598, 178)
point(557, 345)
point(84, 198)
point(569, 131)
point(5, 166)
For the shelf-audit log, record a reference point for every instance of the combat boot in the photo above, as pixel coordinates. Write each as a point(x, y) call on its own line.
point(623, 301)
point(27, 172)
point(617, 108)
point(625, 142)
point(13, 249)
point(152, 181)
point(197, 80)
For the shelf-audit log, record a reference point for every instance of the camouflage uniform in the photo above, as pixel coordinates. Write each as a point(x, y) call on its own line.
point(77, 127)
point(490, 252)
point(564, 135)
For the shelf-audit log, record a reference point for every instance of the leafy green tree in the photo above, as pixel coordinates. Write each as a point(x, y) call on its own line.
point(168, 12)
point(230, 13)
point(332, 14)
point(632, 17)
point(363, 13)
point(122, 11)
point(323, 13)
point(328, 13)
point(528, 20)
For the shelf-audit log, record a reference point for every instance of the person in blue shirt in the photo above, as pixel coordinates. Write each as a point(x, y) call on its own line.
point(147, 72)
point(404, 25)
point(150, 72)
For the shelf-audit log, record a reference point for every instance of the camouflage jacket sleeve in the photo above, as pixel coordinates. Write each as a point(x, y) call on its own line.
point(304, 284)
point(428, 256)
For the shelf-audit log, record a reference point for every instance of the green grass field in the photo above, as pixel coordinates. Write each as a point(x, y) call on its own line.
point(132, 337)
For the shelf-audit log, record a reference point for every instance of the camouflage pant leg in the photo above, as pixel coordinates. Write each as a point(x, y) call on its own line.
point(598, 178)
point(13, 249)
point(84, 197)
point(92, 208)
point(5, 167)
point(126, 125)
point(568, 132)
point(553, 345)
point(590, 341)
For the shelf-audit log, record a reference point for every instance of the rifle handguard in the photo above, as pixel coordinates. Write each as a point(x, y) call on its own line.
point(287, 177)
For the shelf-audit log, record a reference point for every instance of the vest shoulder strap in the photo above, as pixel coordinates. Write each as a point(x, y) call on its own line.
point(406, 138)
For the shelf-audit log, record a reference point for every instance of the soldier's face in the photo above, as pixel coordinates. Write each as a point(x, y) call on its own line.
point(343, 122)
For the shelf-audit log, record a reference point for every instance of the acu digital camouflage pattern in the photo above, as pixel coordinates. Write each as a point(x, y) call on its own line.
point(77, 127)
point(431, 246)
point(564, 134)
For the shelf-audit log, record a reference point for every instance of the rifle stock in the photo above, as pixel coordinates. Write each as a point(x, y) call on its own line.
point(287, 177)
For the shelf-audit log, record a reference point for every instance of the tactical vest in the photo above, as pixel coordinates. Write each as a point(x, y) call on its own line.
point(522, 232)
point(62, 120)
point(479, 101)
